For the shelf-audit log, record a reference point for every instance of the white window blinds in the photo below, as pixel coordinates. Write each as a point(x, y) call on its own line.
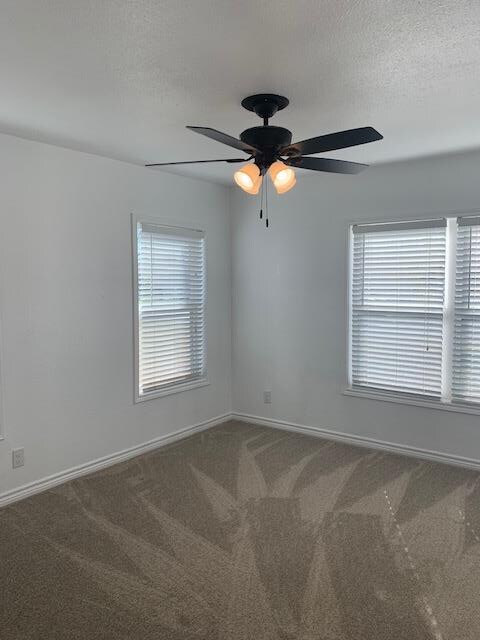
point(397, 296)
point(466, 347)
point(170, 307)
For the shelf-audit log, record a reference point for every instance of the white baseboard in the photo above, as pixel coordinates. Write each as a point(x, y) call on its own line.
point(54, 480)
point(43, 484)
point(361, 441)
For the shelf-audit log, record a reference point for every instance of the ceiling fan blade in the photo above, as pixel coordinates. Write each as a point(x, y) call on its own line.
point(326, 164)
point(333, 141)
point(224, 138)
point(166, 164)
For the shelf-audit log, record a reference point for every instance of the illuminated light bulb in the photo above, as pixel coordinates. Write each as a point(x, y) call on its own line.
point(248, 178)
point(283, 177)
point(289, 185)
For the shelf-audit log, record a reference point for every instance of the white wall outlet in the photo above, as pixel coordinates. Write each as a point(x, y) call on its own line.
point(267, 397)
point(18, 458)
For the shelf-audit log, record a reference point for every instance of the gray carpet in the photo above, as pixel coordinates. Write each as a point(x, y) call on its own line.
point(247, 533)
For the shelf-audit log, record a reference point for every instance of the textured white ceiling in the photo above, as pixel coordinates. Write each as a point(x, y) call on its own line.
point(122, 78)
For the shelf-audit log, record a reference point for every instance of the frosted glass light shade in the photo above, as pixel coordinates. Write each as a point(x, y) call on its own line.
point(248, 178)
point(283, 177)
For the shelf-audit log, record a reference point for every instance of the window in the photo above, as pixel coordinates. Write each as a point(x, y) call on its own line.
point(415, 309)
point(466, 350)
point(170, 309)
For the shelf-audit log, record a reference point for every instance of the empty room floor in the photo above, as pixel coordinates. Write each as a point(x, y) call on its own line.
point(244, 532)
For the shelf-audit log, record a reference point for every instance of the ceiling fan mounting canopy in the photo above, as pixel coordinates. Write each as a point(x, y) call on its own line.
point(265, 105)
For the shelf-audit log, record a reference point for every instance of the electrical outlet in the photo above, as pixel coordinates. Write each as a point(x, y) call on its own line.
point(267, 397)
point(18, 458)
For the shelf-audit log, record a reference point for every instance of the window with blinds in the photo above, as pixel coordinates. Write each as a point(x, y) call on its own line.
point(170, 300)
point(466, 345)
point(397, 307)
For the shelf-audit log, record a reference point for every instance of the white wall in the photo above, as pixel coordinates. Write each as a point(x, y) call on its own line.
point(290, 297)
point(66, 303)
point(66, 306)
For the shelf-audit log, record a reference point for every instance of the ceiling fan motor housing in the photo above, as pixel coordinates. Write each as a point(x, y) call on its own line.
point(268, 137)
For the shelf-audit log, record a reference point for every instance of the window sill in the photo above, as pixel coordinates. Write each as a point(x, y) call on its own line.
point(178, 388)
point(413, 401)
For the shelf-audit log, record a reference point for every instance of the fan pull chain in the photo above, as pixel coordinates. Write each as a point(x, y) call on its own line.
point(266, 204)
point(261, 202)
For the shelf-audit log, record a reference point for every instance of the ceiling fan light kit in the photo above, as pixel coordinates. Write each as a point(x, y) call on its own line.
point(249, 178)
point(271, 148)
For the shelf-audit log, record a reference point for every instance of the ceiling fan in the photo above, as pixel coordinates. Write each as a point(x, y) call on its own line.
point(272, 150)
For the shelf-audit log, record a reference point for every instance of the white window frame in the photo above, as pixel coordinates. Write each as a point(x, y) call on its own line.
point(444, 403)
point(181, 386)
